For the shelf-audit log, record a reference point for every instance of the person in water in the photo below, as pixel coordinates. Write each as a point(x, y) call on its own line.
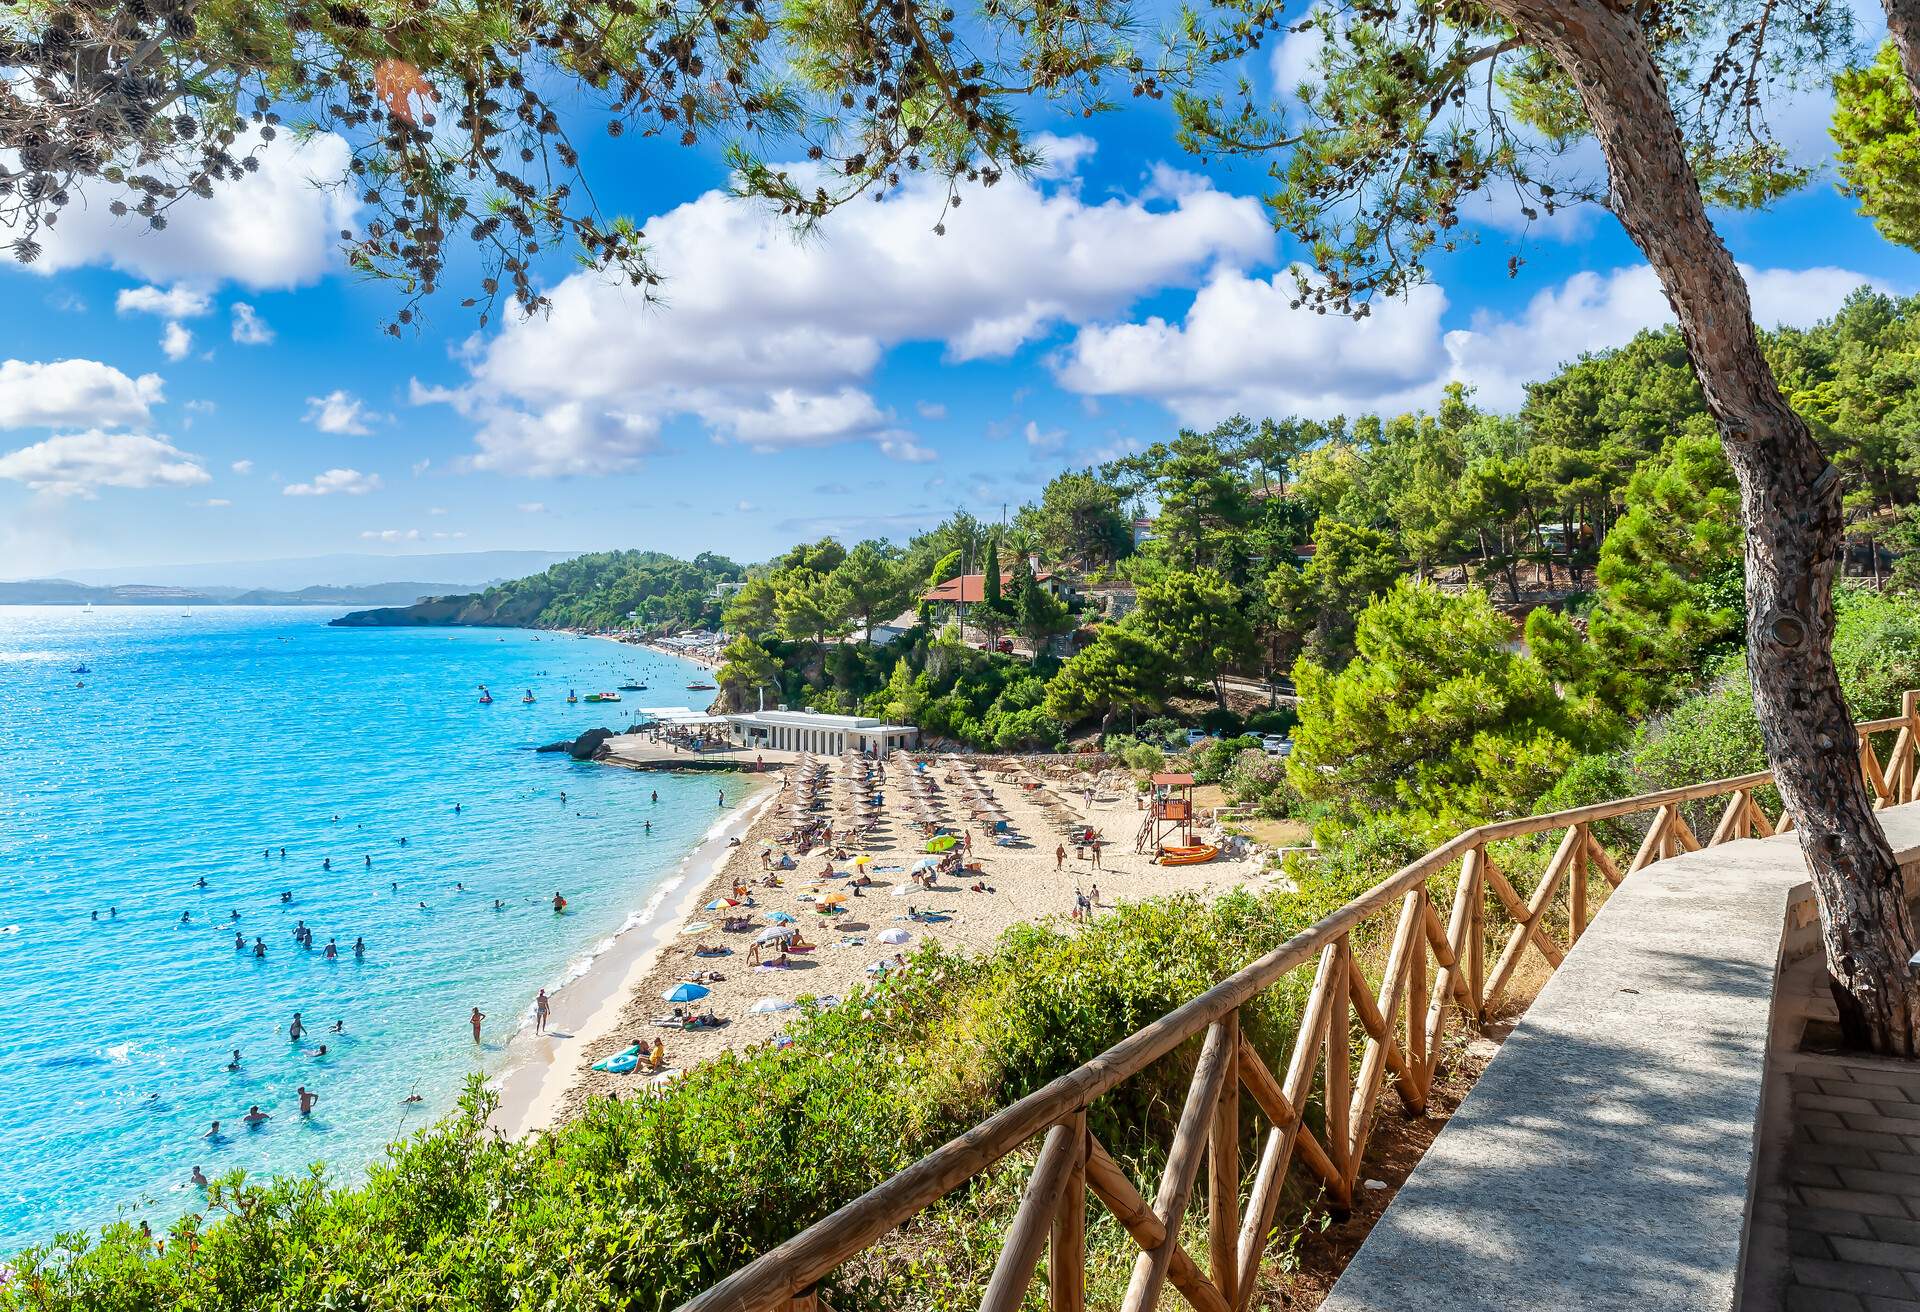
point(296, 1029)
point(359, 947)
point(656, 798)
point(199, 1177)
point(259, 947)
point(287, 896)
point(317, 1053)
point(255, 1118)
point(202, 883)
point(326, 864)
point(307, 1100)
point(369, 860)
point(412, 1097)
point(333, 952)
point(283, 854)
point(186, 917)
point(214, 1133)
point(239, 941)
point(498, 905)
point(559, 903)
point(234, 916)
point(474, 1020)
point(339, 1027)
point(649, 825)
point(234, 1065)
point(456, 808)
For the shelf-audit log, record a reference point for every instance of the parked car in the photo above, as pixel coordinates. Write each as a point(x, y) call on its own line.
point(1195, 736)
point(1276, 744)
point(1004, 647)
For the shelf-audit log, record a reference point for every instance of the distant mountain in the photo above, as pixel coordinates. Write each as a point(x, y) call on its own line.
point(66, 592)
point(439, 571)
point(598, 590)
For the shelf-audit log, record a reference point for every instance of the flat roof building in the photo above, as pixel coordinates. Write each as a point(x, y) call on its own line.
point(824, 735)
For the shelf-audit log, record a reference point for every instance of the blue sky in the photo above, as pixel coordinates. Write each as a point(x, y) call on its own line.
point(225, 391)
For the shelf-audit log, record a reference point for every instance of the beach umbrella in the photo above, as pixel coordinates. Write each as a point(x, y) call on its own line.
point(768, 1005)
point(686, 993)
point(926, 863)
point(833, 899)
point(942, 843)
point(721, 904)
point(778, 935)
point(894, 936)
point(779, 918)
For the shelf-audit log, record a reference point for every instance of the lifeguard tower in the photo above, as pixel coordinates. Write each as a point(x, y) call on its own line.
point(1169, 811)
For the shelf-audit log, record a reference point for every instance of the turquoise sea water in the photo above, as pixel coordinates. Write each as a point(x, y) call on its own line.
point(201, 739)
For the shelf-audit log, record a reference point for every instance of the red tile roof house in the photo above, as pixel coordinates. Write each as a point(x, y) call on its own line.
point(971, 590)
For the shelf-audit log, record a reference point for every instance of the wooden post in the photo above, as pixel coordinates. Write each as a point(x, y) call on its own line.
point(1032, 1224)
point(1577, 890)
point(1183, 1163)
point(1910, 762)
point(807, 1300)
point(1067, 1254)
point(1340, 1066)
point(1477, 938)
point(1223, 1173)
point(1417, 1012)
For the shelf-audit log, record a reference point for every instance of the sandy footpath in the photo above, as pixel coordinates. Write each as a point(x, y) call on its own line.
point(554, 1078)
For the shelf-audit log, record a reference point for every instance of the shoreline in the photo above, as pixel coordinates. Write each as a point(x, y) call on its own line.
point(543, 1069)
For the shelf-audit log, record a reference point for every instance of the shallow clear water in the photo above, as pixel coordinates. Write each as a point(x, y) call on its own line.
point(197, 741)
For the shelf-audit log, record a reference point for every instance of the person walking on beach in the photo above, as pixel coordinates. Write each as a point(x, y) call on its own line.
point(541, 1009)
point(475, 1020)
point(307, 1100)
point(1060, 856)
point(1093, 896)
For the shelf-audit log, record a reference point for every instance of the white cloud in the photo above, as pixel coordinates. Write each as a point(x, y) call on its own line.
point(901, 446)
point(458, 533)
point(1295, 59)
point(744, 507)
point(931, 410)
point(350, 482)
point(770, 341)
point(436, 510)
point(216, 502)
point(274, 228)
point(75, 464)
point(176, 341)
point(175, 303)
point(532, 507)
point(243, 466)
point(73, 392)
point(1241, 348)
point(1044, 439)
point(340, 412)
point(249, 329)
point(391, 534)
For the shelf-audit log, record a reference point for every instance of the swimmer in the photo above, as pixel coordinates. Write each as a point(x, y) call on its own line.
point(287, 896)
point(214, 1133)
point(307, 1100)
point(649, 825)
point(201, 882)
point(456, 808)
point(423, 905)
point(459, 887)
point(563, 799)
point(239, 941)
point(113, 913)
point(234, 1065)
point(255, 1118)
point(235, 916)
point(474, 1020)
point(96, 915)
point(296, 1029)
point(324, 865)
point(412, 1097)
point(336, 819)
point(656, 799)
point(318, 1052)
point(498, 905)
point(369, 860)
point(199, 1177)
point(283, 854)
point(339, 1027)
point(393, 886)
point(333, 953)
point(259, 947)
point(186, 917)
point(403, 840)
point(359, 947)
point(559, 903)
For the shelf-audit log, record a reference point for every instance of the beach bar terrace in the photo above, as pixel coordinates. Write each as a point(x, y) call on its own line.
point(827, 735)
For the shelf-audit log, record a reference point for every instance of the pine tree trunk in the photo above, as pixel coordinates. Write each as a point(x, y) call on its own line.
point(1903, 25)
point(1790, 510)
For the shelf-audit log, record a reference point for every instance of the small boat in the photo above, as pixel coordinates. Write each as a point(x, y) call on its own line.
point(528, 699)
point(571, 699)
point(700, 687)
point(603, 697)
point(633, 687)
point(80, 669)
point(1188, 856)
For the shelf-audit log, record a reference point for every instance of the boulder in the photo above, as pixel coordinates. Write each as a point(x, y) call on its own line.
point(588, 744)
point(564, 745)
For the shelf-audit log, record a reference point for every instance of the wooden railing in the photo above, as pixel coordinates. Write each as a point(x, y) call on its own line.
point(1435, 970)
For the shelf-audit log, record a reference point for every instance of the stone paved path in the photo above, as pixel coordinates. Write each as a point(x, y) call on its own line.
point(1847, 1186)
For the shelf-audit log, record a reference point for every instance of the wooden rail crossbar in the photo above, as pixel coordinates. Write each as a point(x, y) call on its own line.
point(1435, 970)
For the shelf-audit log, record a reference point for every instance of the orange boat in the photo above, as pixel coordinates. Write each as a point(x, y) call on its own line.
point(1188, 856)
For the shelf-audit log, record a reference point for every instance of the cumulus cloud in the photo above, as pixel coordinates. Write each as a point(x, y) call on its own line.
point(770, 342)
point(74, 393)
point(390, 534)
point(340, 412)
point(249, 329)
point(173, 303)
point(1241, 348)
point(243, 466)
point(75, 464)
point(176, 342)
point(902, 446)
point(215, 503)
point(931, 409)
point(1044, 439)
point(275, 228)
point(349, 482)
point(532, 507)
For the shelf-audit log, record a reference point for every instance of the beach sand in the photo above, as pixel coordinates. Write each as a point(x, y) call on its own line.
point(616, 1007)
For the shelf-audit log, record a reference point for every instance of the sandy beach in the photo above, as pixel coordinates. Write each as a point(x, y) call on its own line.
point(618, 1004)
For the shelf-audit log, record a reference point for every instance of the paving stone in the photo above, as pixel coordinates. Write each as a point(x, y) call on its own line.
point(1847, 1137)
point(1803, 1299)
point(1830, 1103)
point(1855, 1200)
point(1904, 1163)
point(1891, 1304)
point(1875, 1123)
point(1833, 1156)
point(1851, 1276)
point(1886, 1182)
point(1877, 1252)
point(1905, 1111)
point(1890, 1228)
point(1821, 1175)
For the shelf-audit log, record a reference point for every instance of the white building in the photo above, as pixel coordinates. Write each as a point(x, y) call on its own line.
point(823, 735)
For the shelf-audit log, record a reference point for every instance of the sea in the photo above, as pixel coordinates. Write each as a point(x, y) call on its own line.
point(209, 765)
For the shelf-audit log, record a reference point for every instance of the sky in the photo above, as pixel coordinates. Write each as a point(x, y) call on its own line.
point(225, 390)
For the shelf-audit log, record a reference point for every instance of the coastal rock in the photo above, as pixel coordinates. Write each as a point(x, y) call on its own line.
point(564, 745)
point(588, 744)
